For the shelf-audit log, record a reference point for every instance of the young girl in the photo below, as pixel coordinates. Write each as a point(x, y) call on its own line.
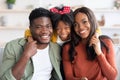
point(62, 22)
point(88, 56)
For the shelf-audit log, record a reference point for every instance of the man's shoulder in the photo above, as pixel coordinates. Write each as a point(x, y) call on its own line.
point(55, 47)
point(18, 41)
point(52, 44)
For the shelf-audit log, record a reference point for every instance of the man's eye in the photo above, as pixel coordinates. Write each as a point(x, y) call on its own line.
point(49, 26)
point(38, 26)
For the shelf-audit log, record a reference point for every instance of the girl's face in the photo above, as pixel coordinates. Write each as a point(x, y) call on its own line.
point(63, 31)
point(82, 25)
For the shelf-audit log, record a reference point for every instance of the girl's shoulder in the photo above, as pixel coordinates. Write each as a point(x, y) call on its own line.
point(66, 45)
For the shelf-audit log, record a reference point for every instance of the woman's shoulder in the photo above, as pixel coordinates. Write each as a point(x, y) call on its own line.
point(106, 39)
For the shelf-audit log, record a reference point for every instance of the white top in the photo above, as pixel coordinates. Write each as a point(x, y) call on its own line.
point(42, 65)
point(60, 42)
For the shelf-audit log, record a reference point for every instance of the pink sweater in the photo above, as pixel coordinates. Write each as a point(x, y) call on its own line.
point(102, 68)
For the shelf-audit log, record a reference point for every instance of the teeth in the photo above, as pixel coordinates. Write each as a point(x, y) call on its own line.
point(82, 31)
point(45, 36)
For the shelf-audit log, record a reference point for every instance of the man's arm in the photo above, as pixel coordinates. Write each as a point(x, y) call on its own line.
point(19, 68)
point(13, 70)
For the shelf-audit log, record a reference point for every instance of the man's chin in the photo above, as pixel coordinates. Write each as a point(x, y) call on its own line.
point(43, 42)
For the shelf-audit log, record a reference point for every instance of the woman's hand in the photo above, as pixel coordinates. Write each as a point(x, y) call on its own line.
point(95, 42)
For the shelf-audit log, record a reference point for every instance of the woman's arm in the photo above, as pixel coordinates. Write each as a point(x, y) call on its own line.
point(67, 65)
point(107, 61)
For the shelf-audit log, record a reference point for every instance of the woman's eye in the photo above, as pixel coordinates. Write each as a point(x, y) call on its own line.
point(75, 24)
point(84, 22)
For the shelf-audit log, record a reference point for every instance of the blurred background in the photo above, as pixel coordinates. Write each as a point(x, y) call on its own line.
point(14, 17)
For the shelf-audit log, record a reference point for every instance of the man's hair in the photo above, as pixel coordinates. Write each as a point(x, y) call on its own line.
point(39, 12)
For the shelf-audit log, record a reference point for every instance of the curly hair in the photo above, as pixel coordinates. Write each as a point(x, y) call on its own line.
point(39, 12)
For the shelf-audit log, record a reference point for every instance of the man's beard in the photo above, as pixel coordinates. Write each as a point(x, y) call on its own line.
point(38, 42)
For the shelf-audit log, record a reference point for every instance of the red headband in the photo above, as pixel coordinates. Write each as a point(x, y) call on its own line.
point(65, 10)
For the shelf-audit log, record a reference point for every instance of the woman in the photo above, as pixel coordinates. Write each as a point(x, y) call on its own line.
point(87, 56)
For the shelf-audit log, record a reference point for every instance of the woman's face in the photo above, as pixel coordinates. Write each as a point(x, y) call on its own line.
point(63, 31)
point(82, 25)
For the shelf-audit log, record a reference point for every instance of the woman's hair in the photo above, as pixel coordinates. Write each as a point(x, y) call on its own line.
point(64, 14)
point(91, 55)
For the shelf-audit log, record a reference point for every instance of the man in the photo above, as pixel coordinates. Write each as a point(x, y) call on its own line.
point(35, 58)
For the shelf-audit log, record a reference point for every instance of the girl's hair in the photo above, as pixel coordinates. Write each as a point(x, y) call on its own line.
point(91, 54)
point(66, 17)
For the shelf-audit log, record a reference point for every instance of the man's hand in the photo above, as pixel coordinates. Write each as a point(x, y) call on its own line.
point(30, 48)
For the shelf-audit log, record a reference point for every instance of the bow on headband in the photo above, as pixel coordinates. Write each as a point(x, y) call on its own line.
point(65, 10)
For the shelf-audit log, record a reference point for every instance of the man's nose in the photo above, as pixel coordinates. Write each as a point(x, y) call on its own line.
point(44, 29)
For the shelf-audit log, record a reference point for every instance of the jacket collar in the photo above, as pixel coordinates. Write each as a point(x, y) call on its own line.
point(22, 41)
point(52, 53)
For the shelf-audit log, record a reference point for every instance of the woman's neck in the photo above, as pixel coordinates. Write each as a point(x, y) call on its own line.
point(84, 41)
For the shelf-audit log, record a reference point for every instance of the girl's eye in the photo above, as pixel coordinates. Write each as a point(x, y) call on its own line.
point(66, 28)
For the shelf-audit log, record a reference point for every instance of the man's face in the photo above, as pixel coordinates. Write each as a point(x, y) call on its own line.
point(41, 30)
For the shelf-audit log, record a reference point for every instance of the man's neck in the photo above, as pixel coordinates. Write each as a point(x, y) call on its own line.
point(42, 46)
